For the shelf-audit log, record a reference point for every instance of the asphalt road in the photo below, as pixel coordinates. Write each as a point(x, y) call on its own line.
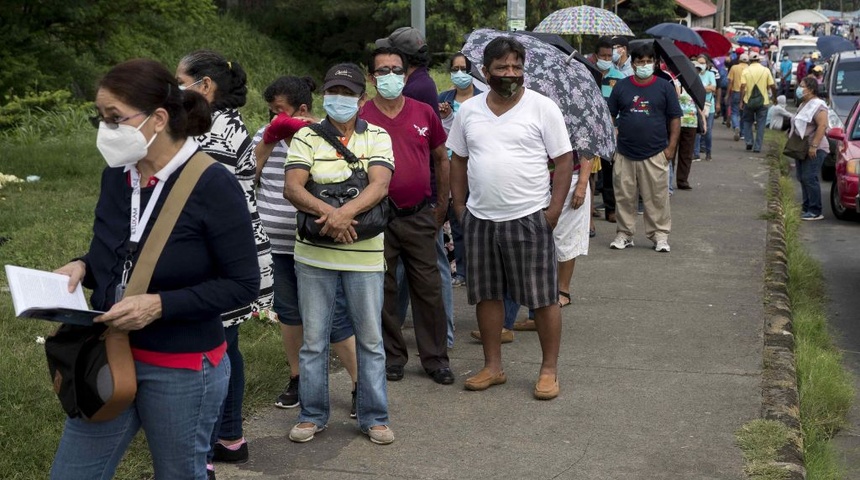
point(834, 243)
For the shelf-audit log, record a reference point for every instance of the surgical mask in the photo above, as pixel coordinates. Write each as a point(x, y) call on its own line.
point(505, 86)
point(390, 86)
point(616, 55)
point(604, 64)
point(123, 145)
point(645, 71)
point(461, 79)
point(340, 108)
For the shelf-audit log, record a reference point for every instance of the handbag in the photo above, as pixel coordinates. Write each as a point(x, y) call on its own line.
point(92, 367)
point(796, 147)
point(370, 223)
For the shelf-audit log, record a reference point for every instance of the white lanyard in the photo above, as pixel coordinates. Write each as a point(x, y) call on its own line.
point(137, 222)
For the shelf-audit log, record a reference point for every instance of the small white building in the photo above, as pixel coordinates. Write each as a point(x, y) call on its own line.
point(696, 13)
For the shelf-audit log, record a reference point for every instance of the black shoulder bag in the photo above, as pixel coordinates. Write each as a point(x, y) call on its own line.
point(370, 223)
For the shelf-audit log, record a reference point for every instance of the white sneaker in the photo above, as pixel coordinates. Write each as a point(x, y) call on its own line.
point(301, 434)
point(661, 246)
point(621, 242)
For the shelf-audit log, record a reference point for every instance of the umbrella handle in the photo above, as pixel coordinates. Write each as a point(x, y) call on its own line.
point(570, 57)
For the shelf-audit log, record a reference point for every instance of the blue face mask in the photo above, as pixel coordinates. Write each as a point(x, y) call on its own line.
point(340, 108)
point(390, 86)
point(604, 64)
point(461, 79)
point(645, 71)
point(616, 55)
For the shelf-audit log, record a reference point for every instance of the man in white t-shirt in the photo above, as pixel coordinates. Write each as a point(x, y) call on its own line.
point(500, 143)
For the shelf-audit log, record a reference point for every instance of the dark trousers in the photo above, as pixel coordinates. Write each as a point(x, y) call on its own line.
point(685, 154)
point(412, 239)
point(608, 189)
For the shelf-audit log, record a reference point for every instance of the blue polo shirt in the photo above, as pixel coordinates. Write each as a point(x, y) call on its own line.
point(642, 112)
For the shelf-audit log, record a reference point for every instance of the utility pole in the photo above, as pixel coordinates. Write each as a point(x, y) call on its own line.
point(418, 17)
point(719, 21)
point(728, 19)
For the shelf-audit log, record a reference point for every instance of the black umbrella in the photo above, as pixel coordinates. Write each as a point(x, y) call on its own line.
point(680, 65)
point(559, 43)
point(676, 31)
point(830, 44)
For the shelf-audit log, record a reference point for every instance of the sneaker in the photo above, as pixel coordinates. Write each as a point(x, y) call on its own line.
point(289, 398)
point(225, 454)
point(697, 159)
point(458, 282)
point(301, 434)
point(210, 471)
point(661, 246)
point(811, 216)
point(737, 135)
point(383, 436)
point(600, 207)
point(708, 157)
point(352, 411)
point(621, 242)
point(749, 147)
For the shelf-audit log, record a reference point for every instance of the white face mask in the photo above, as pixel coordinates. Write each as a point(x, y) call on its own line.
point(123, 145)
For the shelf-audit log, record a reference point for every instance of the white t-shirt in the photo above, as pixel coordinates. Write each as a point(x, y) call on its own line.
point(508, 154)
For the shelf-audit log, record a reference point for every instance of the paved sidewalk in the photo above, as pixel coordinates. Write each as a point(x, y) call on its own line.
point(660, 364)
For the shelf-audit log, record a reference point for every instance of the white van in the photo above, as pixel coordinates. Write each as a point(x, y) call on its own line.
point(795, 48)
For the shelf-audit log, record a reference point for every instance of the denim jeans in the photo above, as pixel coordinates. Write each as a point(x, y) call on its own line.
point(363, 293)
point(229, 424)
point(512, 308)
point(447, 288)
point(736, 110)
point(757, 115)
point(177, 409)
point(807, 175)
point(459, 244)
point(705, 140)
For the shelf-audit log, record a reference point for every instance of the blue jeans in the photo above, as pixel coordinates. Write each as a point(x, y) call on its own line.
point(735, 98)
point(177, 409)
point(287, 300)
point(807, 175)
point(229, 424)
point(363, 293)
point(459, 244)
point(447, 289)
point(705, 140)
point(757, 115)
point(511, 310)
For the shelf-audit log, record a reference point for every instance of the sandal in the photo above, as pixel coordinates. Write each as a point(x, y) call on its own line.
point(592, 233)
point(565, 295)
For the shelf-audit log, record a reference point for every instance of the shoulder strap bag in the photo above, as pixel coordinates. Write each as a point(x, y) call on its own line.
point(370, 223)
point(92, 367)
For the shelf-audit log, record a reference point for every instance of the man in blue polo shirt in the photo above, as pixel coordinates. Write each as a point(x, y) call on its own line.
point(648, 117)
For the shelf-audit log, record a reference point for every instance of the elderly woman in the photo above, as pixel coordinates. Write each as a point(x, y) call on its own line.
point(208, 266)
point(810, 124)
point(224, 85)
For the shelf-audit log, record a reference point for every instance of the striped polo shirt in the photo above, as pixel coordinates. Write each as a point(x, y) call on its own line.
point(309, 151)
point(276, 212)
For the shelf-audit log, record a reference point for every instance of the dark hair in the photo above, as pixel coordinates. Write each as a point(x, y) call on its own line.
point(387, 51)
point(603, 42)
point(642, 51)
point(296, 90)
point(229, 77)
point(420, 59)
point(147, 86)
point(457, 55)
point(810, 82)
point(500, 47)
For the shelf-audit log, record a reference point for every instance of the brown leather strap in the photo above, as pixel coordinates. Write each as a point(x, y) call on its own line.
point(154, 244)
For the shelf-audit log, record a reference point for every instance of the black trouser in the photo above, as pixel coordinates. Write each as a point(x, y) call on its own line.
point(608, 189)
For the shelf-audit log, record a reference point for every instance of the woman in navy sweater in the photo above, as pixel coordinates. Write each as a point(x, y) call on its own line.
point(208, 266)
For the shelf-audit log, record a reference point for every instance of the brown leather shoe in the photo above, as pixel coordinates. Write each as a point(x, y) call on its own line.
point(527, 325)
point(507, 335)
point(546, 387)
point(484, 380)
point(610, 217)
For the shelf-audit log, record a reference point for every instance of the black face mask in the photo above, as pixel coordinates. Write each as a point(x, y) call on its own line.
point(505, 86)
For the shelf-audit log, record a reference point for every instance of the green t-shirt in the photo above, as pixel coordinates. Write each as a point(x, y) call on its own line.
point(309, 151)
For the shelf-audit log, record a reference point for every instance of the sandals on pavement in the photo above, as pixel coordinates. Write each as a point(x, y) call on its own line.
point(566, 295)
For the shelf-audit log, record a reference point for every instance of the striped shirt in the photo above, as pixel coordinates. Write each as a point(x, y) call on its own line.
point(309, 151)
point(276, 212)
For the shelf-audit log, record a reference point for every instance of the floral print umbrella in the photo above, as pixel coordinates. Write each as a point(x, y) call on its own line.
point(584, 20)
point(564, 80)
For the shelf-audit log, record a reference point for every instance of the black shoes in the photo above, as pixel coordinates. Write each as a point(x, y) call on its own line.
point(749, 147)
point(442, 376)
point(684, 186)
point(394, 373)
point(352, 413)
point(289, 398)
point(225, 455)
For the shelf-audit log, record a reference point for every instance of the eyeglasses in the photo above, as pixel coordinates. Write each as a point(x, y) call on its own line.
point(459, 69)
point(186, 87)
point(111, 122)
point(386, 70)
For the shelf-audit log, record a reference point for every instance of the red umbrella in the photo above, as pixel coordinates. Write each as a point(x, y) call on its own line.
point(717, 45)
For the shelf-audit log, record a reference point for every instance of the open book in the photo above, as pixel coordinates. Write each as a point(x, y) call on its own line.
point(45, 295)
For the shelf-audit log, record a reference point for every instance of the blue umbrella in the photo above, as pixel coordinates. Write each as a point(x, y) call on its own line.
point(830, 44)
point(748, 41)
point(676, 31)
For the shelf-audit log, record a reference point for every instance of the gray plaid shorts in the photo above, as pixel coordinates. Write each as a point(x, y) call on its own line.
point(516, 257)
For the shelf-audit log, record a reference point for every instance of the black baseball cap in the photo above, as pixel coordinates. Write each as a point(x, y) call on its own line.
point(619, 40)
point(345, 75)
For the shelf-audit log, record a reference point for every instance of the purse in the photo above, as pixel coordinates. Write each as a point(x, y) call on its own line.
point(92, 367)
point(370, 223)
point(796, 147)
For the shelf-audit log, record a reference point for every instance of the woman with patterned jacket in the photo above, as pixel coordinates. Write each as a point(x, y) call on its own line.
point(224, 85)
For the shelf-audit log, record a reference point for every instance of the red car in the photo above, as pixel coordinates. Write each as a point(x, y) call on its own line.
point(844, 194)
